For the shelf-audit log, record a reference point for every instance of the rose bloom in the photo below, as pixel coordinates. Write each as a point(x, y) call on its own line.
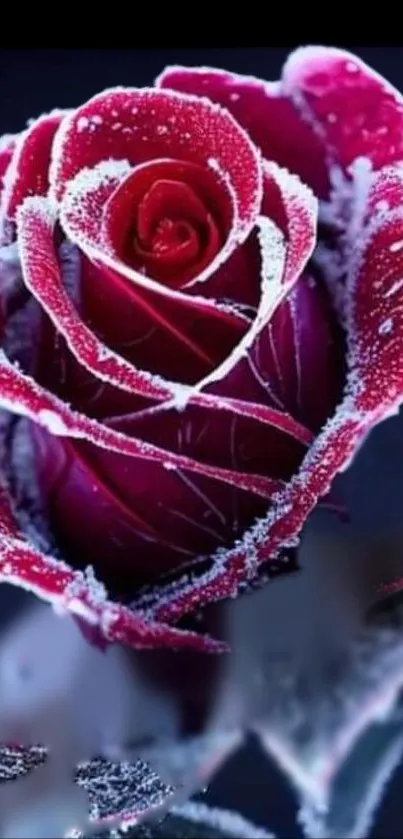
point(202, 304)
point(201, 320)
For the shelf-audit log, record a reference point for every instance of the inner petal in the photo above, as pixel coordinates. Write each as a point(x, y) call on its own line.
point(169, 219)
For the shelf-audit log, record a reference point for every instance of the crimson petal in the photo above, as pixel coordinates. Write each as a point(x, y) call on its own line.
point(287, 234)
point(201, 328)
point(375, 303)
point(143, 125)
point(41, 272)
point(374, 391)
point(353, 110)
point(81, 595)
point(261, 107)
point(28, 173)
point(7, 146)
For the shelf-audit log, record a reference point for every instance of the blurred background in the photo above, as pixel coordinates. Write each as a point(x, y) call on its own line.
point(33, 81)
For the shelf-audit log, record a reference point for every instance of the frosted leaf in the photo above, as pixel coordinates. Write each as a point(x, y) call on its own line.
point(200, 821)
point(222, 822)
point(358, 787)
point(121, 790)
point(16, 761)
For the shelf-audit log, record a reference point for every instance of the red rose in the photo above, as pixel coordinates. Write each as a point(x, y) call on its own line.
point(193, 371)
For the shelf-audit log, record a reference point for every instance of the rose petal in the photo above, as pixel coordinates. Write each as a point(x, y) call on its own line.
point(375, 307)
point(143, 125)
point(7, 146)
point(298, 362)
point(103, 506)
point(287, 234)
point(23, 396)
point(125, 306)
point(261, 107)
point(42, 277)
point(41, 272)
point(374, 289)
point(353, 110)
point(28, 173)
point(81, 595)
point(230, 571)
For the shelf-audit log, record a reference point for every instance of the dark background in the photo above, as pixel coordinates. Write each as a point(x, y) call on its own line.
point(33, 81)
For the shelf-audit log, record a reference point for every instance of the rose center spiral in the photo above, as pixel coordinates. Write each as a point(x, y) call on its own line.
point(169, 220)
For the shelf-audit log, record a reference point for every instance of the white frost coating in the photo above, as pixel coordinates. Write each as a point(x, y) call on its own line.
point(226, 821)
point(273, 260)
point(10, 267)
point(70, 264)
point(396, 246)
point(82, 123)
point(90, 180)
point(395, 288)
point(53, 422)
point(346, 213)
point(6, 140)
point(386, 327)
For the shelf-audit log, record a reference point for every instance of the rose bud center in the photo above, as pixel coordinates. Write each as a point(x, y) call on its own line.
point(169, 220)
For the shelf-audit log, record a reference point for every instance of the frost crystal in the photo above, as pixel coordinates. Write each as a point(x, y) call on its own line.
point(121, 790)
point(16, 761)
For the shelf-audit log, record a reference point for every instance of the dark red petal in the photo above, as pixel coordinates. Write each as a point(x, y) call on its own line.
point(28, 173)
point(143, 125)
point(7, 146)
point(331, 452)
point(261, 107)
point(23, 396)
point(42, 277)
point(353, 110)
point(287, 234)
point(80, 594)
point(133, 519)
point(299, 360)
point(374, 290)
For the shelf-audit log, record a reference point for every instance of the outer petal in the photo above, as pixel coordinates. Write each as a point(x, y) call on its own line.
point(352, 109)
point(261, 107)
point(80, 593)
point(28, 172)
point(143, 125)
point(374, 292)
point(7, 145)
point(375, 303)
